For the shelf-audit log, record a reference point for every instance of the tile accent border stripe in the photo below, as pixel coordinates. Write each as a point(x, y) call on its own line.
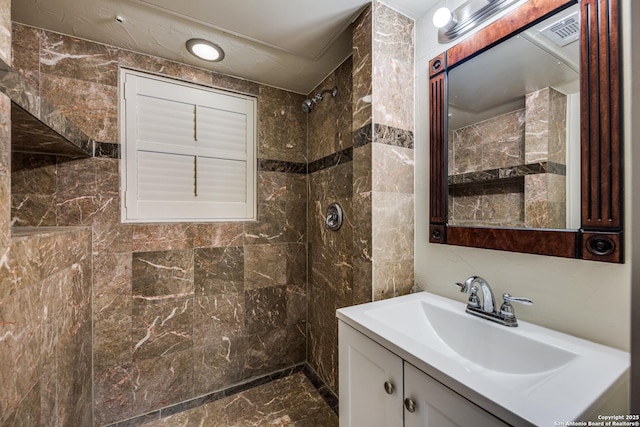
point(332, 160)
point(383, 134)
point(282, 166)
point(108, 150)
point(509, 172)
point(328, 396)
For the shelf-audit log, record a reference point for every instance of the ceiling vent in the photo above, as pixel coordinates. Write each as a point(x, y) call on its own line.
point(564, 31)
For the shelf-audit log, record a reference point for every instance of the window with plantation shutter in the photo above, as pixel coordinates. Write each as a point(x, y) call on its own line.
point(188, 153)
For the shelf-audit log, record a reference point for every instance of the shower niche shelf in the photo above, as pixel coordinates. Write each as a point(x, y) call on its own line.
point(37, 126)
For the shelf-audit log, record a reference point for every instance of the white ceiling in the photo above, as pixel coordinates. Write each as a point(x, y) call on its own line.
point(292, 45)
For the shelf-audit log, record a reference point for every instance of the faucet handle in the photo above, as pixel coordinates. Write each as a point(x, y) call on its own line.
point(464, 288)
point(508, 298)
point(506, 310)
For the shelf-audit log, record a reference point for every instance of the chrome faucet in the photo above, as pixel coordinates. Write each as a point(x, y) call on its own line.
point(505, 316)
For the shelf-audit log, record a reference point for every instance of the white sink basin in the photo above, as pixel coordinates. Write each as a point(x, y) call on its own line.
point(529, 375)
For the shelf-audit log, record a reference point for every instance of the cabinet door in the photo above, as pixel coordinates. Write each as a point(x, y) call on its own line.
point(438, 406)
point(364, 368)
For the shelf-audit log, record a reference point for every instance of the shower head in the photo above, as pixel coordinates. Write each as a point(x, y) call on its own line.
point(309, 103)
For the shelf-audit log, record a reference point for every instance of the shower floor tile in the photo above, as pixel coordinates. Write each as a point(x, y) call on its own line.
point(289, 401)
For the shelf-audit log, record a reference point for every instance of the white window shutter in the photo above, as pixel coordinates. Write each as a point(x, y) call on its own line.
point(190, 152)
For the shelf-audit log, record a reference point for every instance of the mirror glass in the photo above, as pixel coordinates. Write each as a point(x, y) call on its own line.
point(514, 130)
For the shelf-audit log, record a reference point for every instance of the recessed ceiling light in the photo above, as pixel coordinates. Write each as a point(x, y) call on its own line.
point(206, 50)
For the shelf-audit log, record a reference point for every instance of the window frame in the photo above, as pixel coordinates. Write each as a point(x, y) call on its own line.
point(183, 211)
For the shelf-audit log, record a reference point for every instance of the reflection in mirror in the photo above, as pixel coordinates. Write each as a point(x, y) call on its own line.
point(514, 130)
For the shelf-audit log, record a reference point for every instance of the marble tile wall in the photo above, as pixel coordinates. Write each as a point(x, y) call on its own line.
point(45, 322)
point(533, 136)
point(5, 173)
point(330, 252)
point(180, 309)
point(493, 143)
point(488, 145)
point(372, 179)
point(362, 73)
point(5, 131)
point(5, 31)
point(545, 130)
point(392, 157)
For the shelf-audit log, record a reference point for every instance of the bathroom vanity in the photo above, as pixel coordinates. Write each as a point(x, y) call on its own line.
point(420, 360)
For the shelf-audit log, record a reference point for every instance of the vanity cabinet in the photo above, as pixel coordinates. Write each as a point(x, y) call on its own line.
point(378, 388)
point(370, 381)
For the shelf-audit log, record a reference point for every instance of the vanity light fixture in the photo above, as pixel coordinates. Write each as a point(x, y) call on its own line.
point(453, 24)
point(205, 50)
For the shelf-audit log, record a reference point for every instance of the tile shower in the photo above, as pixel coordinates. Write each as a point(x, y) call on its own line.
point(169, 312)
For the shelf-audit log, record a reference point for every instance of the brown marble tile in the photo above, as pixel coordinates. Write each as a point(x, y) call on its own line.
point(362, 165)
point(33, 210)
point(545, 130)
point(109, 238)
point(148, 63)
point(219, 271)
point(163, 274)
point(22, 266)
point(296, 305)
point(329, 124)
point(91, 106)
point(502, 206)
point(281, 125)
point(5, 31)
point(26, 53)
point(392, 169)
point(362, 69)
point(467, 152)
point(161, 327)
point(5, 213)
point(27, 412)
point(392, 244)
point(297, 265)
point(393, 47)
point(265, 309)
point(218, 363)
point(20, 354)
point(503, 140)
point(265, 266)
point(274, 349)
point(196, 75)
point(70, 57)
point(254, 407)
point(217, 234)
point(332, 183)
point(161, 381)
point(362, 231)
point(31, 174)
point(322, 339)
point(218, 318)
point(235, 84)
point(5, 172)
point(113, 393)
point(161, 237)
point(112, 308)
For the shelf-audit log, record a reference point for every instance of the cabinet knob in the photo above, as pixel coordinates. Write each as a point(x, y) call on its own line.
point(388, 387)
point(410, 405)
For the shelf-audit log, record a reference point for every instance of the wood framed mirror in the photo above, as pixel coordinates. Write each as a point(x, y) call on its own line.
point(597, 232)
